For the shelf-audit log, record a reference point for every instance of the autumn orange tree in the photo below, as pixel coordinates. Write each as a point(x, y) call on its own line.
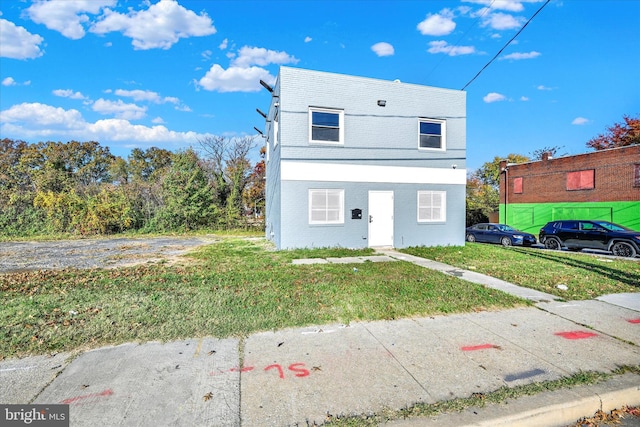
point(620, 134)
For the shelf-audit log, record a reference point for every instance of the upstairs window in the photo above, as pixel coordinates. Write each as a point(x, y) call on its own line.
point(432, 206)
point(581, 180)
point(432, 134)
point(326, 126)
point(636, 175)
point(326, 206)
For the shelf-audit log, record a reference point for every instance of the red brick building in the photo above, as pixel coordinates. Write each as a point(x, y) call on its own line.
point(602, 185)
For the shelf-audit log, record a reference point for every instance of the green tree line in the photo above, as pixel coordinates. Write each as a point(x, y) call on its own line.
point(82, 188)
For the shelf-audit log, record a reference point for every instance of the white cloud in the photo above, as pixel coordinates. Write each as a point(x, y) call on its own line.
point(119, 109)
point(502, 21)
point(18, 43)
point(524, 98)
point(40, 121)
point(8, 81)
point(307, 39)
point(235, 79)
point(543, 87)
point(68, 93)
point(224, 44)
point(160, 26)
point(383, 49)
point(509, 5)
point(522, 55)
point(580, 121)
point(66, 17)
point(441, 46)
point(439, 24)
point(245, 72)
point(248, 56)
point(157, 121)
point(146, 95)
point(494, 97)
point(207, 54)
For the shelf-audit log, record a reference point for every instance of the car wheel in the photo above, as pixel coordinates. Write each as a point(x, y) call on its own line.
point(505, 241)
point(623, 249)
point(471, 238)
point(552, 243)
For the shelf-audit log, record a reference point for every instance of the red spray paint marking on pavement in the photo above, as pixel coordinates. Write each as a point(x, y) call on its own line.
point(105, 393)
point(576, 335)
point(298, 370)
point(477, 347)
point(634, 320)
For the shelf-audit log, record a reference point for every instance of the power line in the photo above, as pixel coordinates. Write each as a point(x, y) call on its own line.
point(505, 46)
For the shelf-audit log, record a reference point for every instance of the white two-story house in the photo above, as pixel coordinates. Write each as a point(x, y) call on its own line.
point(358, 162)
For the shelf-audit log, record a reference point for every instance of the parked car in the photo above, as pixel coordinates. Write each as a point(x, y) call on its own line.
point(499, 233)
point(577, 235)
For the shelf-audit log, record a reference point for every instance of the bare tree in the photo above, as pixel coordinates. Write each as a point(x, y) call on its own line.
point(227, 161)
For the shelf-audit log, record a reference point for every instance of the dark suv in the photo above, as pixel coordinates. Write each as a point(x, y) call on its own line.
point(602, 235)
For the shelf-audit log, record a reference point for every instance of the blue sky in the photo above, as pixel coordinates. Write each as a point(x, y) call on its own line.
point(130, 73)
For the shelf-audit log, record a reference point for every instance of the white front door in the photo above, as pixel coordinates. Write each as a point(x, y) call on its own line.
point(380, 218)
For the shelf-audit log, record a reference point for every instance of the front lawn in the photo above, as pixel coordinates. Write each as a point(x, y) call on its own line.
point(231, 288)
point(586, 276)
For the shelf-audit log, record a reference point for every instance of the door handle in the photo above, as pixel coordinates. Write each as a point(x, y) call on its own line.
point(370, 218)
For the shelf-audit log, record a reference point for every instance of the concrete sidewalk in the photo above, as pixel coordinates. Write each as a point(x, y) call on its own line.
point(305, 376)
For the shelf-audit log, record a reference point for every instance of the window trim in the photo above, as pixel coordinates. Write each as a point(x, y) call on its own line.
point(443, 134)
point(636, 175)
point(340, 219)
point(443, 208)
point(340, 114)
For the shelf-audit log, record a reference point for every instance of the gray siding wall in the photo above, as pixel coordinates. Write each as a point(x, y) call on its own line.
point(373, 135)
point(354, 233)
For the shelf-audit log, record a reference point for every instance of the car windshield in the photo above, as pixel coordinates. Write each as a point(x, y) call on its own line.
point(503, 227)
point(611, 226)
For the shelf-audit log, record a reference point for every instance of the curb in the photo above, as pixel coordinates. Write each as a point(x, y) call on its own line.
point(554, 408)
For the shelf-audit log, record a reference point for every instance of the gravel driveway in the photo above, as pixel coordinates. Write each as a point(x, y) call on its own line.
point(95, 253)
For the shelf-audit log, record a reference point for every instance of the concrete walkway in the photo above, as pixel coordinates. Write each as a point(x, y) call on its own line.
point(306, 376)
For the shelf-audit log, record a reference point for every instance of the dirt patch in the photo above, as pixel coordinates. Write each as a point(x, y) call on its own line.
point(97, 253)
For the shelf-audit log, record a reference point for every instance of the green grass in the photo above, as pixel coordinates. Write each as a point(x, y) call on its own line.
point(586, 276)
point(231, 288)
point(478, 400)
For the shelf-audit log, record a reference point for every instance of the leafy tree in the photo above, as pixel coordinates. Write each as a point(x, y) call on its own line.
point(146, 165)
point(483, 188)
point(482, 200)
point(254, 193)
point(619, 135)
point(188, 197)
point(110, 211)
point(489, 172)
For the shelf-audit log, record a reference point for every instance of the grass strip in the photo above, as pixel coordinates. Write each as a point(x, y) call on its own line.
point(479, 400)
point(586, 276)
